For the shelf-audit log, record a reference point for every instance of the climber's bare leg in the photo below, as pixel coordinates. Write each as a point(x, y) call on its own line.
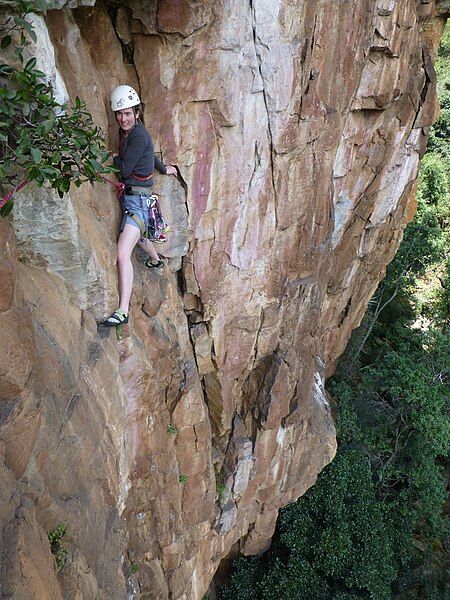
point(149, 248)
point(127, 241)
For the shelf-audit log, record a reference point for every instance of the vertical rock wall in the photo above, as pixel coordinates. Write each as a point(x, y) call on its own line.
point(298, 127)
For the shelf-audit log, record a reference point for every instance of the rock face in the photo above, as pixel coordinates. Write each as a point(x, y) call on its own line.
point(298, 127)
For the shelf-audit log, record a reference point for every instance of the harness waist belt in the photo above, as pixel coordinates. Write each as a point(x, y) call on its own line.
point(142, 177)
point(139, 190)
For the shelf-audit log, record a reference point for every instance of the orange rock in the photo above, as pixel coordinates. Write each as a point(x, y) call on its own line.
point(171, 443)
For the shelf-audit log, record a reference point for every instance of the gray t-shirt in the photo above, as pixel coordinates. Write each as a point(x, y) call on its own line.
point(136, 157)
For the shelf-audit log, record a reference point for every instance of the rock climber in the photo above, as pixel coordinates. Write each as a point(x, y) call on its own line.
point(136, 161)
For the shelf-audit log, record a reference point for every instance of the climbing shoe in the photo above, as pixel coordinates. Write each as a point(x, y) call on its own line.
point(119, 317)
point(156, 264)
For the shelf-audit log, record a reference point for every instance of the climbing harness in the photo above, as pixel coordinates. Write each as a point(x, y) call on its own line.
point(155, 227)
point(142, 177)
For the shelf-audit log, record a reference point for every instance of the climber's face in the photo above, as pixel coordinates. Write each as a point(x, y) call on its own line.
point(126, 118)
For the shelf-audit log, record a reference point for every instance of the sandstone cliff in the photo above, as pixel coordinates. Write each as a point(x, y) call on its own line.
point(298, 127)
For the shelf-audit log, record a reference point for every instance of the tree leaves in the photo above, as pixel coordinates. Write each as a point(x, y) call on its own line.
point(49, 123)
point(36, 154)
point(6, 209)
point(6, 69)
point(30, 64)
point(25, 25)
point(6, 41)
point(41, 139)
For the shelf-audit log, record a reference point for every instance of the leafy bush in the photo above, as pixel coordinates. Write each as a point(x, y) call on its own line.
point(56, 537)
point(244, 580)
point(41, 140)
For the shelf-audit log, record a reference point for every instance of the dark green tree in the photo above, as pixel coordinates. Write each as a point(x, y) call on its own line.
point(41, 140)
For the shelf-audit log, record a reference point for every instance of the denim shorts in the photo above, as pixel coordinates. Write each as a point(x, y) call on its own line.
point(135, 204)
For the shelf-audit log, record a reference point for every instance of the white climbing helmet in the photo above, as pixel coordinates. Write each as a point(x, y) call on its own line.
point(124, 96)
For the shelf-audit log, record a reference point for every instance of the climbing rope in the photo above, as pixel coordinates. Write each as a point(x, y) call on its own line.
point(8, 197)
point(120, 187)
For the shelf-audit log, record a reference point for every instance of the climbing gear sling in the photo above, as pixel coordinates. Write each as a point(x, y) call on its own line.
point(155, 226)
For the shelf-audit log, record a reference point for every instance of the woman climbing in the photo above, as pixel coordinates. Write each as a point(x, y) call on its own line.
point(136, 161)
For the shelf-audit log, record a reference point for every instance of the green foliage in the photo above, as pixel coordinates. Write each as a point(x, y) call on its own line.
point(221, 488)
point(56, 538)
point(21, 7)
point(133, 568)
point(420, 272)
point(183, 479)
point(394, 412)
point(6, 208)
point(440, 134)
point(244, 580)
point(41, 140)
point(351, 547)
point(171, 429)
point(434, 183)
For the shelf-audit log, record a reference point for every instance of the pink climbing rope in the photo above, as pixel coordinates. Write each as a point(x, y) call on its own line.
point(18, 187)
point(120, 187)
